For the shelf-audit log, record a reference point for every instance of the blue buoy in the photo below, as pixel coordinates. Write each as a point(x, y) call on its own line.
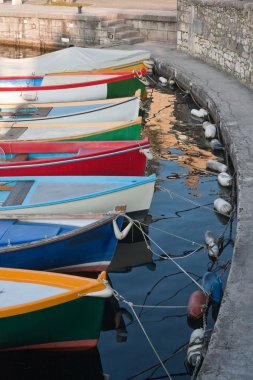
point(213, 285)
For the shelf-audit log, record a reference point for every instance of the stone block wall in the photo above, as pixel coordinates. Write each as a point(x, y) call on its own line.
point(56, 30)
point(154, 27)
point(220, 33)
point(52, 31)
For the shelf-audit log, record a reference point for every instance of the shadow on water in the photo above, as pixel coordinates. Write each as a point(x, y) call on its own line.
point(51, 366)
point(141, 271)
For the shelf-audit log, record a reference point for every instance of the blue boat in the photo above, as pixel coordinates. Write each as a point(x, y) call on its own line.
point(67, 244)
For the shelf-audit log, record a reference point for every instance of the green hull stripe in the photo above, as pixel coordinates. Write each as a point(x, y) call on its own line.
point(75, 320)
point(127, 87)
point(132, 132)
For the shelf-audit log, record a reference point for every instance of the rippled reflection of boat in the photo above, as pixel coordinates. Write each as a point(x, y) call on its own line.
point(132, 252)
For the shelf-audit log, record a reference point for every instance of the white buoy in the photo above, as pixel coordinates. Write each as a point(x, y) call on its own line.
point(213, 249)
point(199, 113)
point(204, 124)
point(217, 166)
point(196, 347)
point(216, 145)
point(163, 81)
point(209, 238)
point(171, 82)
point(149, 63)
point(210, 131)
point(222, 206)
point(225, 179)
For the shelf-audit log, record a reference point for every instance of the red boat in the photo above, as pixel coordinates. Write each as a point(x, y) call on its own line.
point(124, 158)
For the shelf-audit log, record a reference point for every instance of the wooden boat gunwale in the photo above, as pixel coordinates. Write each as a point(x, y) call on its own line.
point(97, 288)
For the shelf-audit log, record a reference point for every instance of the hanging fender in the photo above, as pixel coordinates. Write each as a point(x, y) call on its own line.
point(147, 153)
point(119, 314)
point(120, 235)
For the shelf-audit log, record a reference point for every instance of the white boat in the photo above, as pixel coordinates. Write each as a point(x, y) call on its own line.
point(119, 109)
point(70, 87)
point(75, 59)
point(125, 130)
point(75, 194)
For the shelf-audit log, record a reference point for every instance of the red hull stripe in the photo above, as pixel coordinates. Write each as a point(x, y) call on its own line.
point(69, 345)
point(84, 268)
point(117, 78)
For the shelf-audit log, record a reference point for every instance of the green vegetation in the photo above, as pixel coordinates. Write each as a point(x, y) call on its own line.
point(66, 4)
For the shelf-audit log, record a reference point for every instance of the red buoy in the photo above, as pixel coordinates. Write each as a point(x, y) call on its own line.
point(196, 303)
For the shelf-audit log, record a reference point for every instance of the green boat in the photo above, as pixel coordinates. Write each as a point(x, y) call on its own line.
point(109, 131)
point(50, 311)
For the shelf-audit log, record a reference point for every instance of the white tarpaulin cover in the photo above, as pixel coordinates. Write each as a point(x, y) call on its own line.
point(69, 60)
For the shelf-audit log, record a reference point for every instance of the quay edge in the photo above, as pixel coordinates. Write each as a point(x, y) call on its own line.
point(229, 102)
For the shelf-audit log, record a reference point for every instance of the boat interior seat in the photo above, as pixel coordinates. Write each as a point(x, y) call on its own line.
point(18, 193)
point(19, 157)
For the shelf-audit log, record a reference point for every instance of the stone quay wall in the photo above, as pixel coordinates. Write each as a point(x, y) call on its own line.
point(52, 30)
point(219, 33)
point(42, 29)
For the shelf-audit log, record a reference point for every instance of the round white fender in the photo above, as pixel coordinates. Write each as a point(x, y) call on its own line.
point(149, 63)
point(199, 113)
point(147, 153)
point(216, 145)
point(222, 206)
point(213, 251)
point(209, 238)
point(210, 131)
point(163, 81)
point(121, 234)
point(196, 345)
point(217, 166)
point(225, 179)
point(204, 124)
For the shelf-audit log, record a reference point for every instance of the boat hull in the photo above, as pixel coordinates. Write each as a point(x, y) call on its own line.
point(131, 131)
point(136, 199)
point(72, 112)
point(85, 249)
point(126, 162)
point(71, 325)
point(73, 92)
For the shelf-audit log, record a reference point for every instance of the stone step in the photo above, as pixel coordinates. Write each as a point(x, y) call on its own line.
point(133, 40)
point(111, 23)
point(126, 34)
point(118, 28)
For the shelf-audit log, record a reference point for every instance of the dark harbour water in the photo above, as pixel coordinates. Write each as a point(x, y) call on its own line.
point(177, 224)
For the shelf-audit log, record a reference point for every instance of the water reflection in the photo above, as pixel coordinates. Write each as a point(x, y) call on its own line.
point(52, 365)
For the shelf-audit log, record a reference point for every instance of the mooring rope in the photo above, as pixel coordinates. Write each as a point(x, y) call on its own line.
point(130, 304)
point(138, 225)
point(172, 193)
